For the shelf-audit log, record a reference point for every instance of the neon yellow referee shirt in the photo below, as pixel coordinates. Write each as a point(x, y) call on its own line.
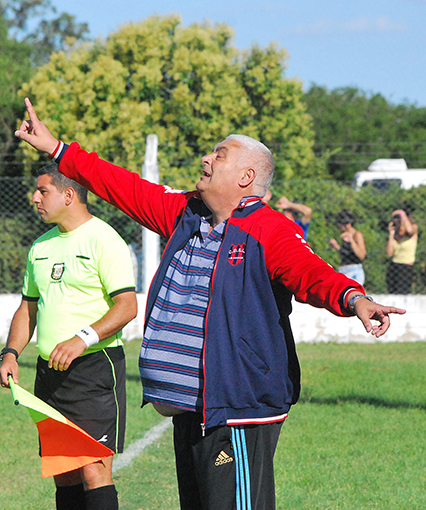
point(74, 276)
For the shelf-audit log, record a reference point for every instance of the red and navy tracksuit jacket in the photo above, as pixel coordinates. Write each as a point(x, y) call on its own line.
point(251, 370)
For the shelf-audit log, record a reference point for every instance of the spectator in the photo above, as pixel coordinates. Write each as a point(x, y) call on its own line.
point(299, 213)
point(402, 244)
point(352, 250)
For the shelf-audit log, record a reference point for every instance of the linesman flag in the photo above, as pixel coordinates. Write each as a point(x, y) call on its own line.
point(64, 446)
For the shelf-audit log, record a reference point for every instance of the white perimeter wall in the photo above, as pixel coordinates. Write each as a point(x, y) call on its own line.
point(309, 324)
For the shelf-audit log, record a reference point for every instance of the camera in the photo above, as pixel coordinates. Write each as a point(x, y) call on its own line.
point(396, 221)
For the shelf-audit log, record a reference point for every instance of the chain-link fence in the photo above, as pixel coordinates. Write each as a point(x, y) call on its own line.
point(20, 226)
point(372, 208)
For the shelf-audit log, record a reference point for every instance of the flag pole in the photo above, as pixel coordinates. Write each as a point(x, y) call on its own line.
point(12, 387)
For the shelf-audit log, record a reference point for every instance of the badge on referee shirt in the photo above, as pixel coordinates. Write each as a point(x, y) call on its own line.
point(57, 271)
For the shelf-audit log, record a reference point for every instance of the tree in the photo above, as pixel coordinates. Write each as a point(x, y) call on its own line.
point(20, 52)
point(53, 35)
point(49, 35)
point(362, 128)
point(14, 69)
point(190, 86)
point(18, 12)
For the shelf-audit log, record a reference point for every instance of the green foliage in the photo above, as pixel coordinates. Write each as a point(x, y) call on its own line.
point(49, 35)
point(57, 34)
point(20, 226)
point(190, 86)
point(20, 51)
point(373, 210)
point(19, 12)
point(14, 69)
point(12, 262)
point(280, 119)
point(362, 128)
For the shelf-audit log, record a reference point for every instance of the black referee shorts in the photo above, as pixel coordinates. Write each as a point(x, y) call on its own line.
point(91, 393)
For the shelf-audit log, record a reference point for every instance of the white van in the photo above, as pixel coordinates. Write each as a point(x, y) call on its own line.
point(384, 172)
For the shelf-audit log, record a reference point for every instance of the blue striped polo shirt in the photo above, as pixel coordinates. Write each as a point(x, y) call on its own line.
point(171, 364)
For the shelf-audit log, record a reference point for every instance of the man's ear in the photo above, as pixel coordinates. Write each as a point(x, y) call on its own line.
point(69, 195)
point(247, 178)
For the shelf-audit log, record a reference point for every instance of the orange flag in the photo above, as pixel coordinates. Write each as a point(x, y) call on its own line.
point(64, 445)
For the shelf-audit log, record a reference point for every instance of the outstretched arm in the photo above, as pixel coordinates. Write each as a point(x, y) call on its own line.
point(367, 310)
point(34, 132)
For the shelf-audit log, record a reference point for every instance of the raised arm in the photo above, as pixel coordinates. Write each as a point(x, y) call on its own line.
point(409, 227)
point(356, 240)
point(34, 132)
point(305, 211)
point(154, 206)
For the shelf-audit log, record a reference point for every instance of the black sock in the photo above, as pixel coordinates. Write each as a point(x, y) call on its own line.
point(102, 498)
point(70, 497)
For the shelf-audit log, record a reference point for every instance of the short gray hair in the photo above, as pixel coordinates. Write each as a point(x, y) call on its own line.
point(264, 161)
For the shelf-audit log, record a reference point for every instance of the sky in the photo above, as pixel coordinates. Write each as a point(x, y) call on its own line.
point(378, 46)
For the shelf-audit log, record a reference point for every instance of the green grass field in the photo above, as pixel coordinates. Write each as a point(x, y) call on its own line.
point(356, 439)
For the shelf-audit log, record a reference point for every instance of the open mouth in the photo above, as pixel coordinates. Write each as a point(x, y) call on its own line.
point(206, 174)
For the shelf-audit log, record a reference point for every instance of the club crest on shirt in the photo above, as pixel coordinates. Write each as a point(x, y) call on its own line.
point(236, 253)
point(57, 271)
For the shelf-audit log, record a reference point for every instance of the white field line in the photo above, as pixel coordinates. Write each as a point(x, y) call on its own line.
point(125, 459)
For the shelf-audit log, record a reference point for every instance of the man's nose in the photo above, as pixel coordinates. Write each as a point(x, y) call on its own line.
point(207, 159)
point(36, 197)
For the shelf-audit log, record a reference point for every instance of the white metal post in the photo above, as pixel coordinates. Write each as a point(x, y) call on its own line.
point(150, 240)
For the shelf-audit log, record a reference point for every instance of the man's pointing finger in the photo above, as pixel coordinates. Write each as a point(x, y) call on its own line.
point(31, 112)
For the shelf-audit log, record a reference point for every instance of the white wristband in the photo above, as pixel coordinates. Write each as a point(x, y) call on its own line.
point(88, 335)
